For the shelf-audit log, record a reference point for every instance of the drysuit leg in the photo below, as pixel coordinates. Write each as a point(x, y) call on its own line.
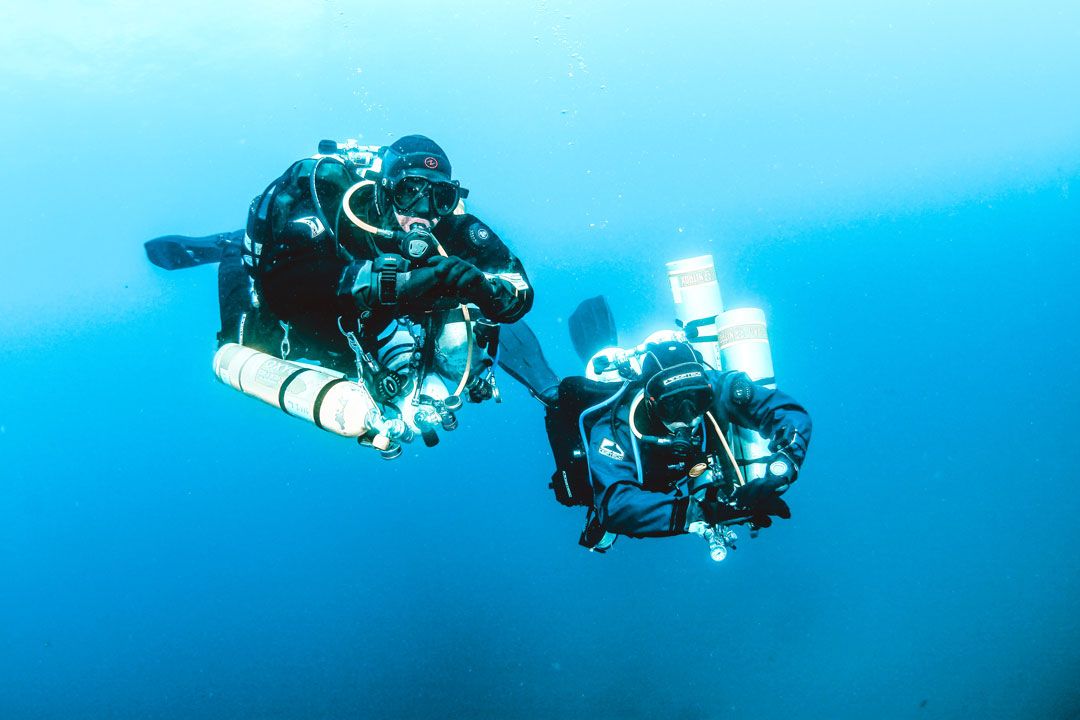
point(234, 293)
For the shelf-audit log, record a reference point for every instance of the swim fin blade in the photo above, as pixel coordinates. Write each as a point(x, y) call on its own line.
point(177, 252)
point(522, 358)
point(592, 328)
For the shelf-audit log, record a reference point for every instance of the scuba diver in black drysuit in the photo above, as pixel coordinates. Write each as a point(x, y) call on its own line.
point(346, 242)
point(634, 452)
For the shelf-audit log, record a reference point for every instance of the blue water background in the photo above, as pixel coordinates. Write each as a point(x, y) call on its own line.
point(895, 183)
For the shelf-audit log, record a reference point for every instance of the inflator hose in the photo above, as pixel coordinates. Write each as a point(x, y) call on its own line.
point(353, 216)
point(727, 448)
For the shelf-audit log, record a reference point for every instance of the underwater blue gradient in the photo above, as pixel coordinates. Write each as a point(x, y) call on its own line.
point(895, 183)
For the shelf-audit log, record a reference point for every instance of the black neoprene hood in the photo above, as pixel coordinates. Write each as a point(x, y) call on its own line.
point(417, 155)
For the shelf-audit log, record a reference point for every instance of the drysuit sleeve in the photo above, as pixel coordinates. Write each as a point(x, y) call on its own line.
point(774, 414)
point(471, 239)
point(622, 504)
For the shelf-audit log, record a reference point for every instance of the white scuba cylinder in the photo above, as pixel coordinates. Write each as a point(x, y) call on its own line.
point(697, 301)
point(743, 343)
point(320, 396)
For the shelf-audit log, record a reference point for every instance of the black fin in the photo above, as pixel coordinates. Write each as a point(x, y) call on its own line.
point(176, 252)
point(592, 328)
point(521, 356)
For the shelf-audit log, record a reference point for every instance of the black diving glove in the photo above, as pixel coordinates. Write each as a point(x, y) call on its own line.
point(761, 497)
point(790, 442)
point(713, 512)
point(419, 286)
point(461, 279)
point(383, 282)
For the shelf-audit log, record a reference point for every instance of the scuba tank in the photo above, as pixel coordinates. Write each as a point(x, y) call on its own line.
point(728, 340)
point(320, 396)
point(418, 372)
point(743, 343)
point(697, 302)
point(455, 359)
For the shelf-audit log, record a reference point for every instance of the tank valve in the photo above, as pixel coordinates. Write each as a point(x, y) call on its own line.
point(720, 538)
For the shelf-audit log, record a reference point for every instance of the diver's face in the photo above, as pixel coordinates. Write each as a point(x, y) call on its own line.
point(409, 222)
point(686, 428)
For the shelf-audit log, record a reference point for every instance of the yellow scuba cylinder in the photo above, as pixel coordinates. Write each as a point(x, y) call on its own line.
point(317, 395)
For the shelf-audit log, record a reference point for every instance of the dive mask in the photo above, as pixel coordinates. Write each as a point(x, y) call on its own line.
point(680, 395)
point(419, 196)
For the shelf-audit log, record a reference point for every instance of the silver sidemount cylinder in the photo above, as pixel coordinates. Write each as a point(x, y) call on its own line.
point(743, 342)
point(454, 354)
point(456, 350)
point(697, 301)
point(397, 346)
point(320, 396)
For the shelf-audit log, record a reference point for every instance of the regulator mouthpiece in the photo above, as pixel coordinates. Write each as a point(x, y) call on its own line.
point(680, 442)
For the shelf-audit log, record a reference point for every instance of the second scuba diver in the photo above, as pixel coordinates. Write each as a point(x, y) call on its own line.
point(646, 454)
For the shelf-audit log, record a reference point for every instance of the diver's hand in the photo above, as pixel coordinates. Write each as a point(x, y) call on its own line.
point(789, 442)
point(461, 279)
point(418, 286)
point(761, 498)
point(761, 501)
point(781, 470)
point(713, 512)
